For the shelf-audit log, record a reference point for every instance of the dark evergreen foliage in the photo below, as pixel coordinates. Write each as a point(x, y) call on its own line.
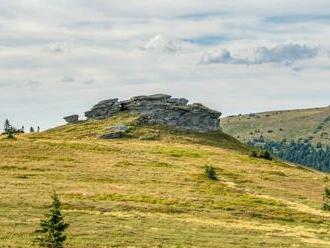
point(301, 152)
point(51, 233)
point(261, 154)
point(210, 172)
point(10, 130)
point(326, 196)
point(7, 127)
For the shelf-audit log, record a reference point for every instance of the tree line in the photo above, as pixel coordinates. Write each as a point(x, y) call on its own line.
point(303, 153)
point(10, 130)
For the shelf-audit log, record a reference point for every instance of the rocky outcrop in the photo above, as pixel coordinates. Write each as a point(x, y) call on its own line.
point(115, 132)
point(161, 109)
point(71, 118)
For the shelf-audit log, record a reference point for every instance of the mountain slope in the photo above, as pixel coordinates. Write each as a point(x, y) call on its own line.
point(149, 190)
point(304, 124)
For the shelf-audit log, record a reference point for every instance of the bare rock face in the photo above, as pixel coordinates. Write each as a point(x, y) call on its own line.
point(161, 109)
point(71, 118)
point(104, 109)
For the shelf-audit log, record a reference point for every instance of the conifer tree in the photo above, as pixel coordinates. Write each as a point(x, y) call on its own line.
point(326, 195)
point(52, 229)
point(7, 126)
point(31, 130)
point(210, 172)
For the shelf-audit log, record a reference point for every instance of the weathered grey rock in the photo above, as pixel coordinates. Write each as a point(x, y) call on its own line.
point(71, 118)
point(112, 136)
point(161, 109)
point(178, 101)
point(151, 97)
point(115, 132)
point(119, 128)
point(104, 109)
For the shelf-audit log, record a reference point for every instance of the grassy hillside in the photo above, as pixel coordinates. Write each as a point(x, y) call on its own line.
point(149, 190)
point(310, 124)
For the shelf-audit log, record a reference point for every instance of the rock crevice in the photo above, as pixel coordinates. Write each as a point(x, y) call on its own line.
point(161, 109)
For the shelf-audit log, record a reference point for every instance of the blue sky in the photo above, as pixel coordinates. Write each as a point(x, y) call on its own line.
point(61, 57)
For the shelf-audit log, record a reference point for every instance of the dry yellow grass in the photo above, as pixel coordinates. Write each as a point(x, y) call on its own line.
point(150, 191)
point(313, 124)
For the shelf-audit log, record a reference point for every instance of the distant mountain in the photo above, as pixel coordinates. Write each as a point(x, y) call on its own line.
point(300, 136)
point(298, 125)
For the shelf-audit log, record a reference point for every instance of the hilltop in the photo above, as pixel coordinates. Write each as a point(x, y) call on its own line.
point(298, 136)
point(147, 188)
point(300, 124)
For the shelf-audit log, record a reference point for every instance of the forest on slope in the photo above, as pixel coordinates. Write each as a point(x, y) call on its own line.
point(300, 136)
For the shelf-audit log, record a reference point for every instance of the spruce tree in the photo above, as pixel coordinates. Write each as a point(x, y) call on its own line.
point(52, 229)
point(326, 195)
point(210, 172)
point(7, 126)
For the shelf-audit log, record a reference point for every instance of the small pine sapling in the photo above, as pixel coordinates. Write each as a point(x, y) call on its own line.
point(210, 172)
point(326, 195)
point(51, 233)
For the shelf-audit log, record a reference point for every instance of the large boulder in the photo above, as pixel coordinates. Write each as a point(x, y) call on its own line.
point(115, 132)
point(104, 109)
point(71, 118)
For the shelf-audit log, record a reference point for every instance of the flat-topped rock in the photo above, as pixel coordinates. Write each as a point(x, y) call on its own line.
point(161, 109)
point(71, 118)
point(151, 97)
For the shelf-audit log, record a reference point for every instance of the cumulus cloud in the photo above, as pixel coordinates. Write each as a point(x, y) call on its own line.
point(160, 43)
point(37, 44)
point(283, 53)
point(221, 56)
point(287, 53)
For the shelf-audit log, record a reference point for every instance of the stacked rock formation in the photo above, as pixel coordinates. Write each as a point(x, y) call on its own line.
point(161, 109)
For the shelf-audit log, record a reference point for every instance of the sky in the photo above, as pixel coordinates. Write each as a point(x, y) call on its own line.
point(60, 57)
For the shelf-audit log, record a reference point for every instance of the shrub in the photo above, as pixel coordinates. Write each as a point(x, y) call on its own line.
point(264, 154)
point(10, 134)
point(210, 172)
point(326, 196)
point(253, 154)
point(52, 228)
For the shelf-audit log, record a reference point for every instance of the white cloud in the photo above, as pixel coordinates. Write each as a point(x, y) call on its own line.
point(285, 54)
point(58, 48)
point(102, 41)
point(221, 55)
point(160, 43)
